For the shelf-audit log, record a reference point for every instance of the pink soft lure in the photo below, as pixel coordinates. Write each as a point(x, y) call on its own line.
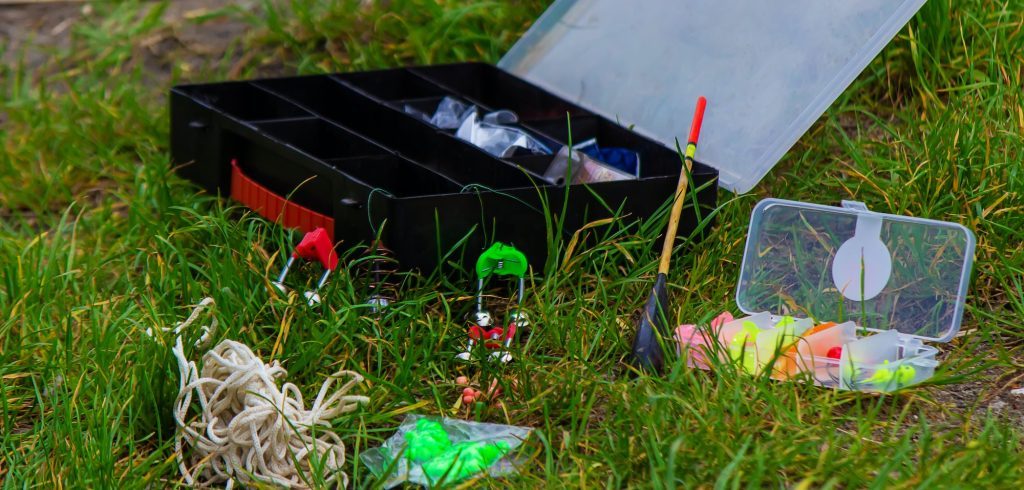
point(685, 332)
point(688, 336)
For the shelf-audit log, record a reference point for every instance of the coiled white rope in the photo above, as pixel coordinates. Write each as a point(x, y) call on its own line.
point(247, 428)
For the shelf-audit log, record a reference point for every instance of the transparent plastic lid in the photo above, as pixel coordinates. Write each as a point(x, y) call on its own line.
point(768, 69)
point(883, 271)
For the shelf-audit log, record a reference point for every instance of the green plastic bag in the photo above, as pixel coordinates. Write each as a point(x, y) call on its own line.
point(433, 451)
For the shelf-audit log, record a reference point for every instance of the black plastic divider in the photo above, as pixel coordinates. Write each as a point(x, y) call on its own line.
point(396, 176)
point(491, 87)
point(394, 84)
point(321, 139)
point(245, 101)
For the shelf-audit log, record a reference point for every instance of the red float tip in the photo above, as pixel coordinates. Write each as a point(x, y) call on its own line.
point(698, 119)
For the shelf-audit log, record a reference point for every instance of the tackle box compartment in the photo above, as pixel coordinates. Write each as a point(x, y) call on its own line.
point(340, 151)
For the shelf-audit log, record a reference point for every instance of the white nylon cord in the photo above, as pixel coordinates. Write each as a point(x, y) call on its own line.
point(207, 329)
point(250, 430)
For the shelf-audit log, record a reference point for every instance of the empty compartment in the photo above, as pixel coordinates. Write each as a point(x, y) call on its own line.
point(245, 101)
point(396, 175)
point(494, 88)
point(340, 104)
point(321, 139)
point(465, 163)
point(391, 85)
point(315, 93)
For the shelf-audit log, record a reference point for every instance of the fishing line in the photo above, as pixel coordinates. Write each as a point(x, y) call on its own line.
point(369, 216)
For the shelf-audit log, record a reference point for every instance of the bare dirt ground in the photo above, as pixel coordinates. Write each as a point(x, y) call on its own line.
point(192, 37)
point(33, 28)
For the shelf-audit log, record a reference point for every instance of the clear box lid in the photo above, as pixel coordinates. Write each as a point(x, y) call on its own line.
point(883, 271)
point(768, 69)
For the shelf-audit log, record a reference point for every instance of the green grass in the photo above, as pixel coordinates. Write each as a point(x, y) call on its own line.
point(99, 240)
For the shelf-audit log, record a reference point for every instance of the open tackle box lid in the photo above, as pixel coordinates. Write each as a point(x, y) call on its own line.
point(883, 271)
point(768, 69)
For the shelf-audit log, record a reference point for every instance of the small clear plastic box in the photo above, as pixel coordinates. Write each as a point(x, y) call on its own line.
point(889, 283)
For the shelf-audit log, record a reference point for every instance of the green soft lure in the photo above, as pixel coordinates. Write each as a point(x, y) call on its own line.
point(426, 441)
point(464, 460)
point(741, 351)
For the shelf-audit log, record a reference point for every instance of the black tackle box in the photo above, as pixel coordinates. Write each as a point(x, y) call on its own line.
point(345, 153)
point(341, 151)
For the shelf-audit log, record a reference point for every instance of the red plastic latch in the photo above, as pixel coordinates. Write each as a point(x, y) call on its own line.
point(276, 208)
point(316, 245)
